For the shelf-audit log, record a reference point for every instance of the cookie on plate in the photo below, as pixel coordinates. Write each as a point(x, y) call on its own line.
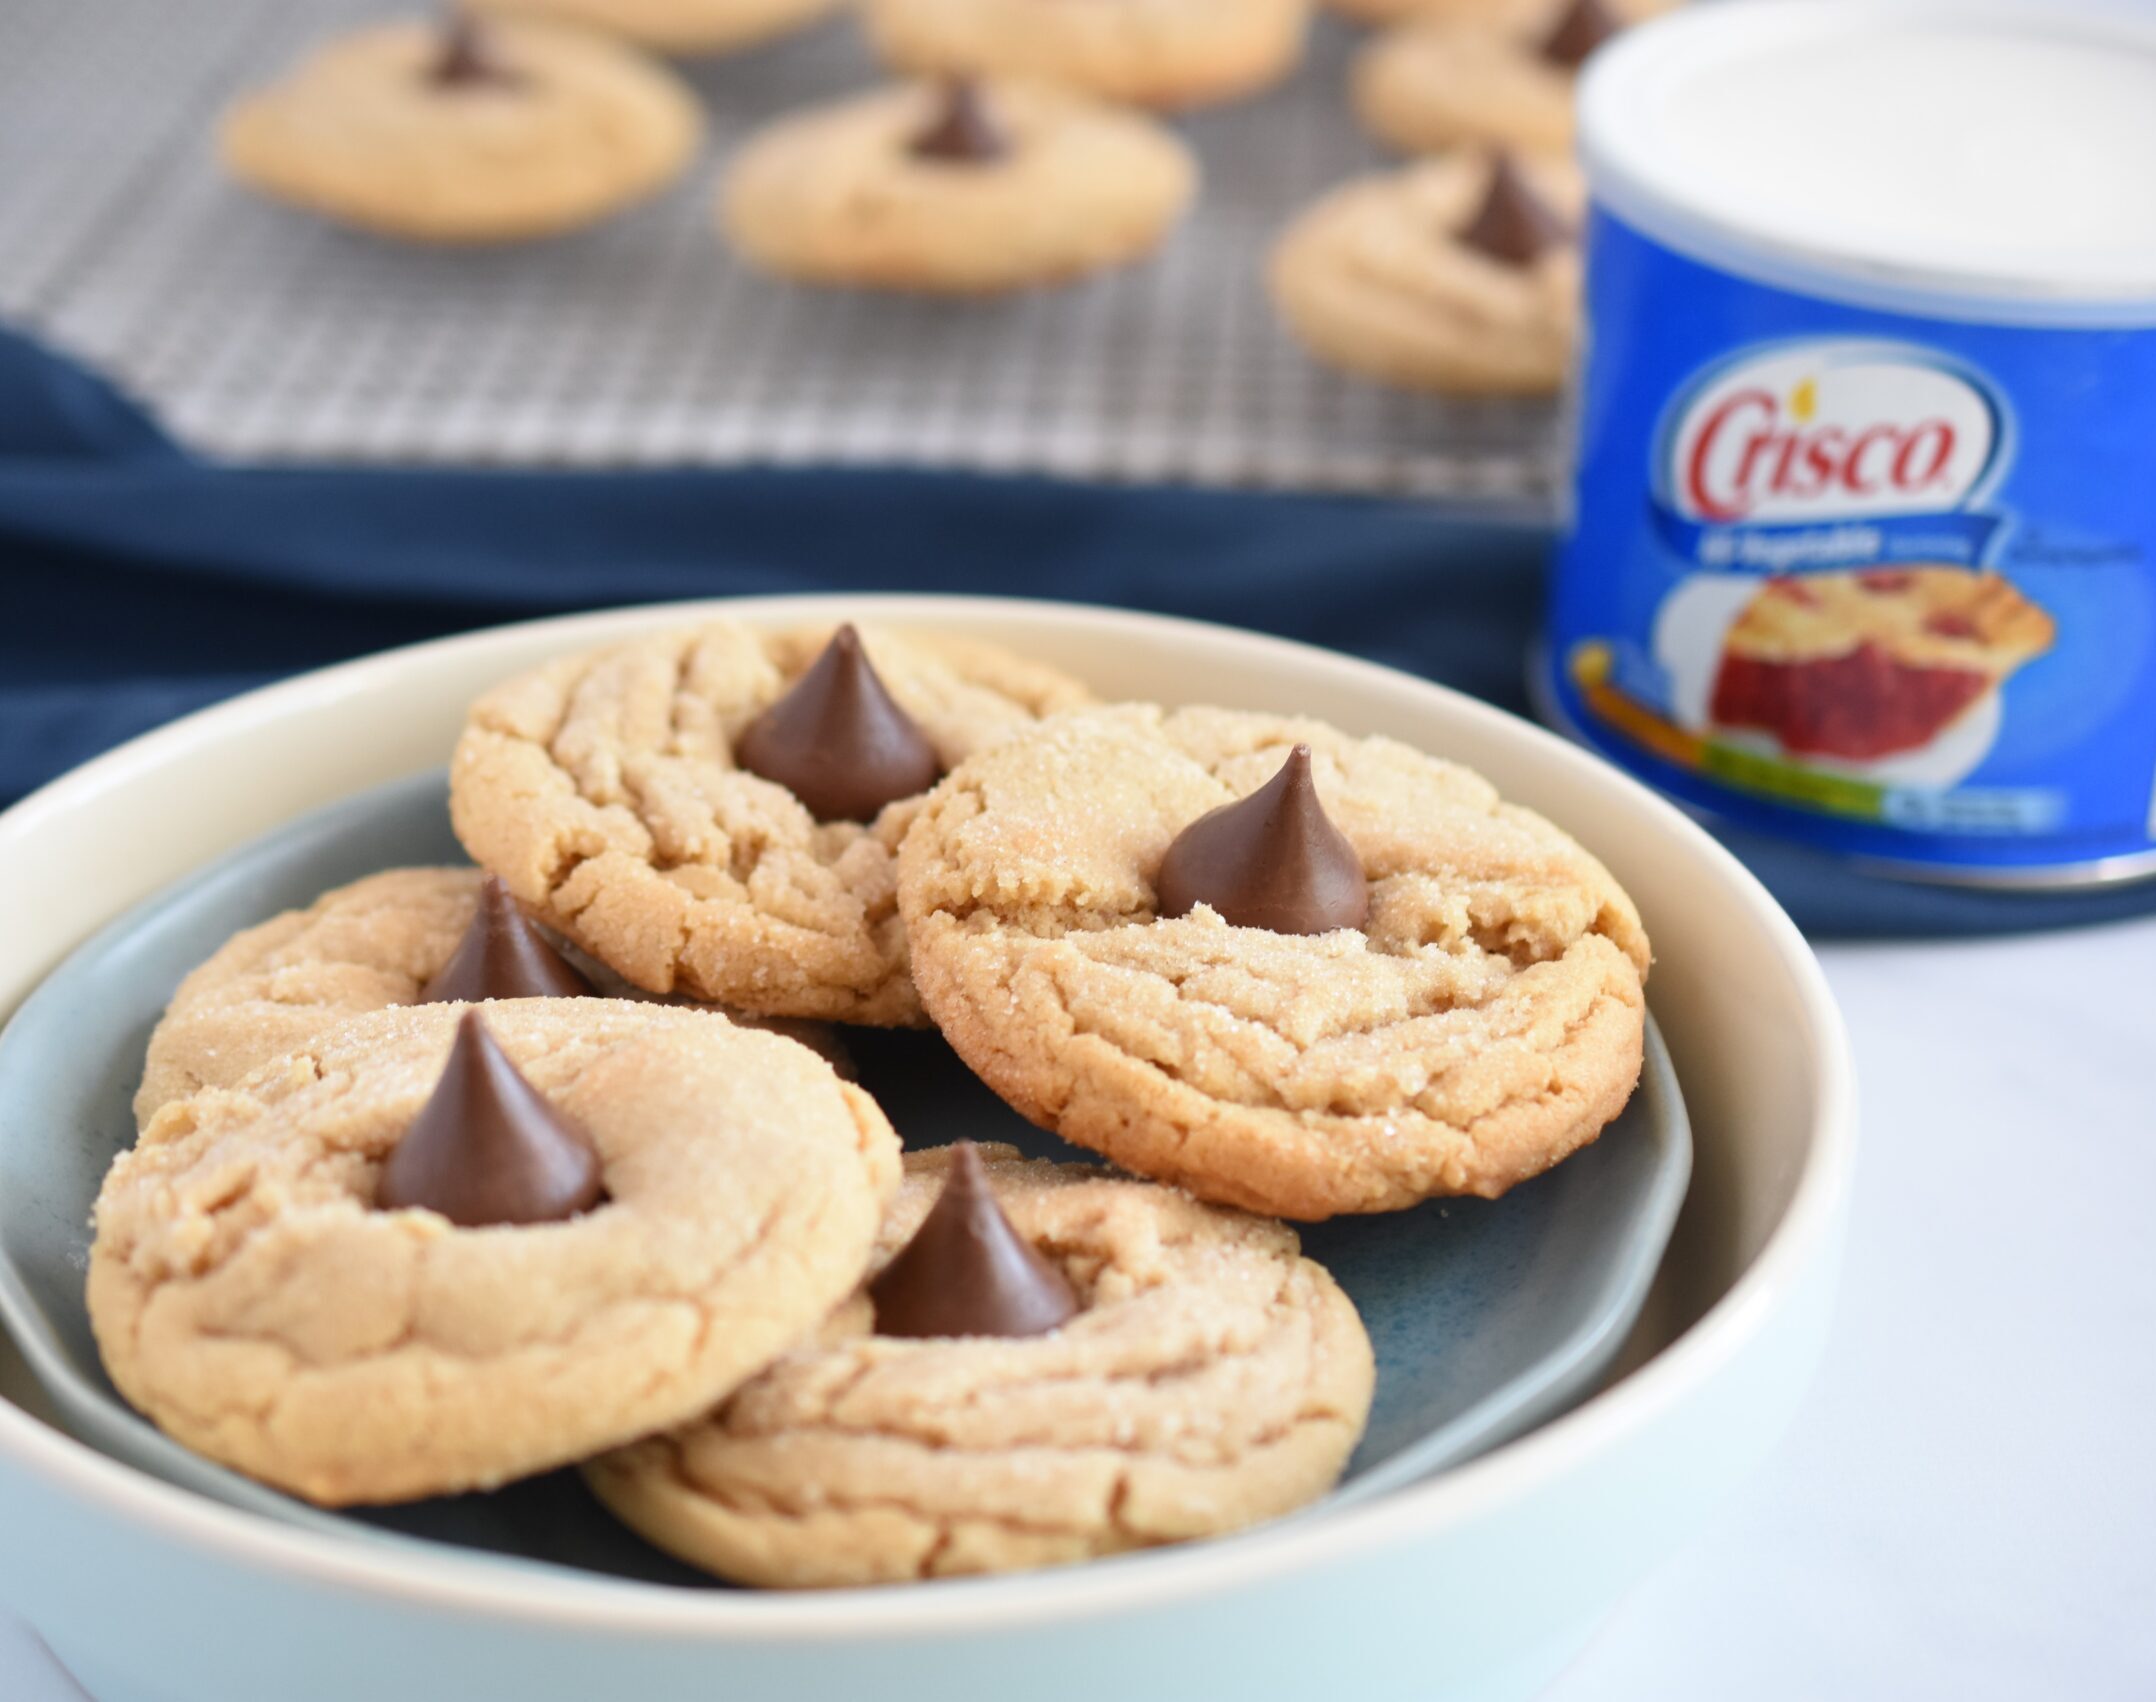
point(715, 810)
point(1442, 82)
point(1459, 274)
point(1052, 1364)
point(465, 135)
point(447, 1246)
point(956, 189)
point(1369, 982)
point(681, 27)
point(1522, 15)
point(1157, 53)
point(402, 937)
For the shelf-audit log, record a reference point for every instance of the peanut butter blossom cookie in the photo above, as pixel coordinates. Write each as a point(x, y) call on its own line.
point(671, 26)
point(1459, 275)
point(956, 188)
point(1051, 1364)
point(1158, 53)
point(1340, 981)
point(1445, 82)
point(402, 937)
point(715, 811)
point(1522, 16)
point(463, 134)
point(444, 1247)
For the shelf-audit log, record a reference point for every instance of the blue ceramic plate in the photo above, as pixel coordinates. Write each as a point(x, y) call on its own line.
point(1488, 1316)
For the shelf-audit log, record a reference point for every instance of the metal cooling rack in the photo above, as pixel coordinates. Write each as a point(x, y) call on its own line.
point(260, 334)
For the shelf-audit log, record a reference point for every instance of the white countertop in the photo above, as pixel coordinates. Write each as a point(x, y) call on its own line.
point(1967, 1508)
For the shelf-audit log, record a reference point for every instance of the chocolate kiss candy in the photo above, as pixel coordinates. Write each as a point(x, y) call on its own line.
point(962, 133)
point(839, 741)
point(1513, 223)
point(487, 1148)
point(502, 956)
point(967, 1272)
point(1586, 25)
point(467, 57)
point(1271, 860)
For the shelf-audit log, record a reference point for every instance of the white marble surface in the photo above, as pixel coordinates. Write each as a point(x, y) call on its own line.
point(1967, 1508)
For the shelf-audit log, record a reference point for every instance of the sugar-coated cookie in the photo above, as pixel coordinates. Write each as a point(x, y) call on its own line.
point(1446, 81)
point(1211, 1377)
point(624, 796)
point(396, 938)
point(465, 135)
point(956, 189)
point(1459, 274)
point(1158, 53)
point(253, 1293)
point(683, 27)
point(273, 988)
point(1483, 1020)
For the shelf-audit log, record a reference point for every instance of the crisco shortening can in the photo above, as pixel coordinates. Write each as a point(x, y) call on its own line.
point(1863, 549)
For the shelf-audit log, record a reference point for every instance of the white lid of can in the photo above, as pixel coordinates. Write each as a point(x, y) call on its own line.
point(1961, 158)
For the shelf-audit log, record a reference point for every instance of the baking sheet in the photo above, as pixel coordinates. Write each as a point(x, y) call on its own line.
point(261, 334)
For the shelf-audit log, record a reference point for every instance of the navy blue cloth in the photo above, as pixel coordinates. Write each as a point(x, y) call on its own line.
point(137, 582)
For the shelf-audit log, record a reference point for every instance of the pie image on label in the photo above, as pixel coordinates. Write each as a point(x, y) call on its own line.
point(1863, 665)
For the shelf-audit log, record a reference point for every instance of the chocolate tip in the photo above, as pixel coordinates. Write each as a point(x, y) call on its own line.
point(962, 130)
point(486, 1147)
point(838, 740)
point(968, 1271)
point(1272, 859)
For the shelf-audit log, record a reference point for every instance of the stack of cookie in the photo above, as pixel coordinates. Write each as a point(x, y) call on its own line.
point(459, 1175)
point(1460, 273)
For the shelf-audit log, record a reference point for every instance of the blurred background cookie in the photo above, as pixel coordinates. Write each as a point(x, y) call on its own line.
point(1165, 53)
point(461, 134)
point(1501, 14)
point(956, 188)
point(687, 27)
point(1459, 274)
point(1505, 80)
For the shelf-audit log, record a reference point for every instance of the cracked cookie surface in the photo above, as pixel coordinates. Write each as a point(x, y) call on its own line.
point(1485, 1022)
point(272, 988)
point(602, 788)
point(247, 1296)
point(1215, 1378)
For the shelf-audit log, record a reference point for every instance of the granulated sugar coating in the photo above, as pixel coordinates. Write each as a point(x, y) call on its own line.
point(1486, 1021)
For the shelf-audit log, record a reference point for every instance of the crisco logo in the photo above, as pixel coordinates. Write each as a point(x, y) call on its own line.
point(1828, 431)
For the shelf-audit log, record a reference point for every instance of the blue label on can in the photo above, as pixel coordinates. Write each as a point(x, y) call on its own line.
point(1885, 584)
